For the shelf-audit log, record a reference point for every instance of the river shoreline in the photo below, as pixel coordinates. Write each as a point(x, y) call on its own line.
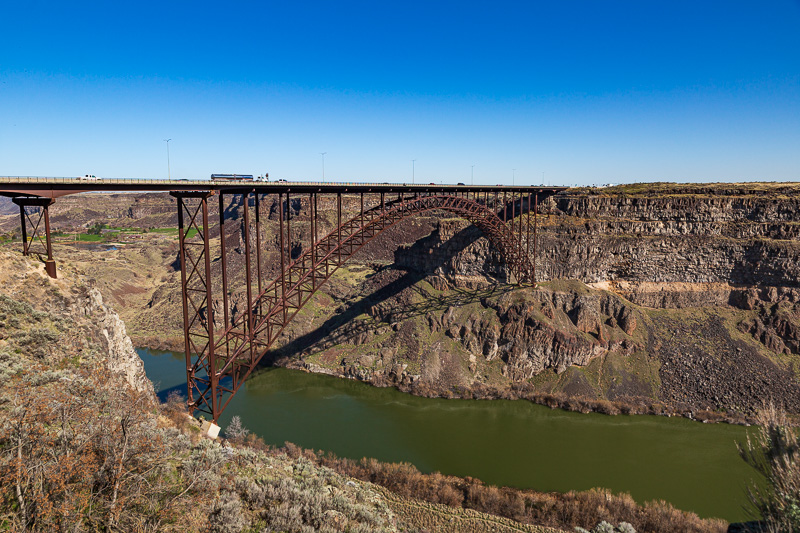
point(522, 391)
point(502, 442)
point(518, 391)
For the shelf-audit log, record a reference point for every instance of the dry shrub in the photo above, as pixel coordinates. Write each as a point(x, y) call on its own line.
point(605, 407)
point(80, 451)
point(257, 443)
point(175, 410)
point(775, 454)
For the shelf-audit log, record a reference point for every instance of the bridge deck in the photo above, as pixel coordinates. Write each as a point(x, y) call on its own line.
point(55, 187)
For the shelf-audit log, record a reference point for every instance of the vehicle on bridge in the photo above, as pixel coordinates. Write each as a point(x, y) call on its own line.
point(89, 177)
point(237, 177)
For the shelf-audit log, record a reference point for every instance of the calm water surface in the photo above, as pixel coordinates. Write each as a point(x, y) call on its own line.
point(691, 465)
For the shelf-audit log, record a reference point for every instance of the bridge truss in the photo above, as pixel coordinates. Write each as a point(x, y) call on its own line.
point(221, 354)
point(225, 338)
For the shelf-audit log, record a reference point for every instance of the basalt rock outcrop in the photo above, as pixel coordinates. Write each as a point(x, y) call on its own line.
point(62, 322)
point(646, 262)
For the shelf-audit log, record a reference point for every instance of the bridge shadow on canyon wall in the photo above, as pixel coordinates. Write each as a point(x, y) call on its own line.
point(412, 299)
point(344, 328)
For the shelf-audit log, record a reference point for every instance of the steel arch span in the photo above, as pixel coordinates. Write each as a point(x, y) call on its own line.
point(219, 360)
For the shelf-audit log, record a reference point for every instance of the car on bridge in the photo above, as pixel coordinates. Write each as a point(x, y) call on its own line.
point(89, 177)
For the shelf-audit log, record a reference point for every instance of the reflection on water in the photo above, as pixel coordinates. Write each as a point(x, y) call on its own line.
point(694, 466)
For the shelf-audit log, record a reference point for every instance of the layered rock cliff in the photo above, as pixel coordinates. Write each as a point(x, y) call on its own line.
point(685, 295)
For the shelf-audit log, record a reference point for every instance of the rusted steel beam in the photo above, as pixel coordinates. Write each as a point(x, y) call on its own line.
point(24, 225)
point(184, 301)
point(339, 225)
point(224, 261)
point(521, 232)
point(312, 220)
point(258, 239)
point(209, 326)
point(248, 271)
point(528, 236)
point(514, 264)
point(50, 265)
point(197, 301)
point(535, 227)
point(288, 234)
point(283, 251)
point(42, 206)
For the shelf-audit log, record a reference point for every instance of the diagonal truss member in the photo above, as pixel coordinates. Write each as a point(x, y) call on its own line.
point(219, 362)
point(33, 210)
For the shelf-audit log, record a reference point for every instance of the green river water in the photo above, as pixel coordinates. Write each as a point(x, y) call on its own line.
point(694, 466)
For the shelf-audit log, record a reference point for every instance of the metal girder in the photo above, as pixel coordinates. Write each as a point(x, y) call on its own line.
point(217, 365)
point(32, 211)
point(197, 299)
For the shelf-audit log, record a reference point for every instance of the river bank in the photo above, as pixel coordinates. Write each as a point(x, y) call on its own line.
point(524, 391)
point(516, 391)
point(693, 466)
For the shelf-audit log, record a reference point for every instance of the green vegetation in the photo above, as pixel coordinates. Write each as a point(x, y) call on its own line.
point(84, 237)
point(96, 229)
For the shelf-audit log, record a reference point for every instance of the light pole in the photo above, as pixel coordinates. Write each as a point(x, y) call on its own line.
point(323, 165)
point(513, 170)
point(472, 175)
point(168, 172)
point(413, 161)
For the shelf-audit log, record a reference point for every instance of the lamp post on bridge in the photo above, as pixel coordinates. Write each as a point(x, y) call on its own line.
point(472, 175)
point(513, 170)
point(323, 165)
point(413, 161)
point(169, 176)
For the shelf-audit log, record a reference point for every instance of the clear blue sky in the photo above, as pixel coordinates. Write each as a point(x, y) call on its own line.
point(584, 91)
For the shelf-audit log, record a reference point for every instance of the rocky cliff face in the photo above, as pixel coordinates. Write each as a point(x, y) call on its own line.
point(62, 322)
point(122, 358)
point(686, 295)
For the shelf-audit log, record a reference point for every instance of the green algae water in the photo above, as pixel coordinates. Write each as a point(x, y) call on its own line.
point(694, 466)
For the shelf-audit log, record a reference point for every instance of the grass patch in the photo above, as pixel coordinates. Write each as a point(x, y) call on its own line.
point(85, 237)
point(191, 232)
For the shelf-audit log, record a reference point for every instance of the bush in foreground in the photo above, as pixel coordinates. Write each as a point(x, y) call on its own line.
point(775, 454)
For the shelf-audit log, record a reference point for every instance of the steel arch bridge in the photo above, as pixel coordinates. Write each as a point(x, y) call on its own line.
point(220, 358)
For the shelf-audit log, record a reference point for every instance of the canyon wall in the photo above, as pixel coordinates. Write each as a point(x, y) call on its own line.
point(679, 294)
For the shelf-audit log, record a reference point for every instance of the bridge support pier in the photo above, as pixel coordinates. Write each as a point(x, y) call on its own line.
point(197, 299)
point(40, 206)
